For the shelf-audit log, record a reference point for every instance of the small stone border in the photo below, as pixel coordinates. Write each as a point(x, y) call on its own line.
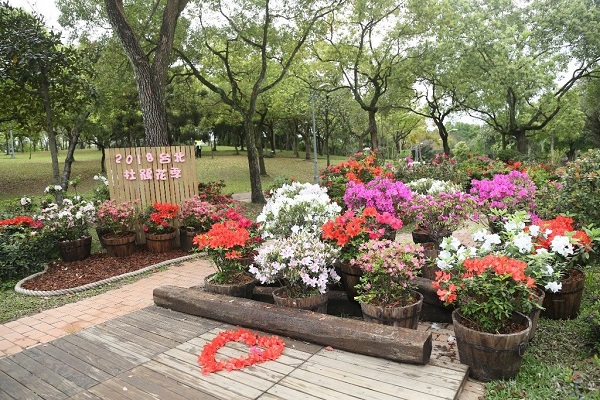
point(92, 285)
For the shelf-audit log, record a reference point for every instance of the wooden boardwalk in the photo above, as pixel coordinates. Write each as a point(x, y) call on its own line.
point(153, 354)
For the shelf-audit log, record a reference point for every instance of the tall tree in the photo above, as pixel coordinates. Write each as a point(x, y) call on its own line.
point(151, 76)
point(45, 77)
point(246, 50)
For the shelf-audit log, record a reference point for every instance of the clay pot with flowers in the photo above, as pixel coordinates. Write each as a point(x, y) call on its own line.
point(348, 232)
point(490, 292)
point(228, 243)
point(386, 292)
point(157, 222)
point(116, 221)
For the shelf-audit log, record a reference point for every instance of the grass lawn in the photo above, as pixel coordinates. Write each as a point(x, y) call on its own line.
point(28, 175)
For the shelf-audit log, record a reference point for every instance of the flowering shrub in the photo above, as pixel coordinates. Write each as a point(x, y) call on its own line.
point(116, 217)
point(226, 243)
point(388, 267)
point(512, 192)
point(24, 249)
point(212, 192)
point(157, 218)
point(70, 221)
point(351, 229)
point(302, 261)
point(441, 167)
point(361, 167)
point(442, 213)
point(101, 191)
point(383, 194)
point(432, 186)
point(295, 207)
point(197, 214)
point(549, 248)
point(487, 290)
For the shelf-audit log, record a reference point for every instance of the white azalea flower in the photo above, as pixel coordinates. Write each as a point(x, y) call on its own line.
point(562, 245)
point(523, 242)
point(480, 235)
point(553, 287)
point(534, 230)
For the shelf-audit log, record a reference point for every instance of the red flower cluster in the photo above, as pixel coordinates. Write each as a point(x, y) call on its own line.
point(561, 226)
point(358, 170)
point(224, 235)
point(157, 217)
point(262, 348)
point(351, 229)
point(21, 220)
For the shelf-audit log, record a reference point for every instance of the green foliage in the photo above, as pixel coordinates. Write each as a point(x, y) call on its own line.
point(279, 182)
point(592, 318)
point(508, 155)
point(461, 151)
point(481, 167)
point(24, 252)
point(580, 194)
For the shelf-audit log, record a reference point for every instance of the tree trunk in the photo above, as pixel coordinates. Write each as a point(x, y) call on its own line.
point(257, 194)
point(45, 95)
point(373, 130)
point(150, 78)
point(521, 141)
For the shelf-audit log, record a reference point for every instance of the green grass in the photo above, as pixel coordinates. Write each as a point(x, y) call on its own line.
point(25, 176)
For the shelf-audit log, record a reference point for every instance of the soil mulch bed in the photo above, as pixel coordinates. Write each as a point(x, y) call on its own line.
point(98, 266)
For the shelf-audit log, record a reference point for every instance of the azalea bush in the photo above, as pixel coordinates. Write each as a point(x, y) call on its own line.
point(69, 221)
point(24, 248)
point(296, 207)
point(507, 193)
point(157, 218)
point(442, 213)
point(227, 243)
point(432, 186)
point(361, 167)
point(351, 229)
point(116, 218)
point(487, 290)
point(388, 269)
point(212, 192)
point(383, 194)
point(442, 167)
point(197, 214)
point(302, 261)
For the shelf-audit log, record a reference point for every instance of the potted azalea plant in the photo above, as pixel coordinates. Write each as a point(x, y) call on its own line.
point(195, 216)
point(116, 221)
point(304, 263)
point(68, 224)
point(228, 243)
point(349, 231)
point(157, 221)
point(294, 207)
point(490, 292)
point(386, 292)
point(384, 194)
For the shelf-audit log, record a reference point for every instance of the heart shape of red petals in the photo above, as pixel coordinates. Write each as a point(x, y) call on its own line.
point(262, 348)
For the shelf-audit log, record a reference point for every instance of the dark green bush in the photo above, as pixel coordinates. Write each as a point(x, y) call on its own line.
point(24, 252)
point(580, 191)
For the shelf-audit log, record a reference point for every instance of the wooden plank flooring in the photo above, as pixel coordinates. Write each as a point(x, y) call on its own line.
point(153, 354)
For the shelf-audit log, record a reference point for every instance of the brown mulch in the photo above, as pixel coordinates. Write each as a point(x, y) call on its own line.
point(98, 266)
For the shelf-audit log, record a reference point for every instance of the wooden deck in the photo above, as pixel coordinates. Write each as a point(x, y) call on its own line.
point(153, 354)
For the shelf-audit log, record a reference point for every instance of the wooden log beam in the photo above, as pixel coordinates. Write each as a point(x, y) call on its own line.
point(397, 344)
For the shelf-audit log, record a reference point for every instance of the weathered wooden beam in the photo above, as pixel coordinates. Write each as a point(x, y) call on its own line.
point(393, 343)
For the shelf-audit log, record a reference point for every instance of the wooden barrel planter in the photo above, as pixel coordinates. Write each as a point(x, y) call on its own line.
point(316, 303)
point(565, 303)
point(186, 238)
point(491, 356)
point(431, 252)
point(160, 243)
point(405, 317)
point(75, 250)
point(350, 277)
point(244, 287)
point(119, 245)
point(535, 314)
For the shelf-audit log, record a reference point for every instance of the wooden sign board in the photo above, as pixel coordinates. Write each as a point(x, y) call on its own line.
point(151, 174)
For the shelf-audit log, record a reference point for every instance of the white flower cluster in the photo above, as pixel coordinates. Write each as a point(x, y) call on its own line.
point(518, 243)
point(25, 201)
point(301, 259)
point(101, 178)
point(53, 189)
point(296, 207)
point(70, 220)
point(432, 186)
